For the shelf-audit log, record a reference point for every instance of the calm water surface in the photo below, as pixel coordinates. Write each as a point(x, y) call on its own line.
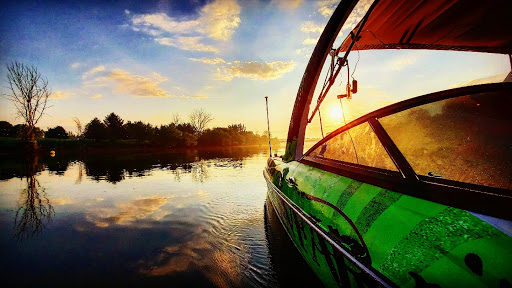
point(198, 218)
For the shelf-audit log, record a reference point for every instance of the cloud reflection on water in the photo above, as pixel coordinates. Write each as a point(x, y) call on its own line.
point(219, 264)
point(128, 212)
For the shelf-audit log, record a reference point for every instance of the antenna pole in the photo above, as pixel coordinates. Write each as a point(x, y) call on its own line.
point(268, 127)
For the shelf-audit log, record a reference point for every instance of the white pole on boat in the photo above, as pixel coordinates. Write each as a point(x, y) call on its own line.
point(268, 127)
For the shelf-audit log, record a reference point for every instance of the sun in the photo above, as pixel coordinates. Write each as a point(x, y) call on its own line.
point(335, 112)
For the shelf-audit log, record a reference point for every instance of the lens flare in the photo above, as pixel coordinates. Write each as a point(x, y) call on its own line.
point(335, 112)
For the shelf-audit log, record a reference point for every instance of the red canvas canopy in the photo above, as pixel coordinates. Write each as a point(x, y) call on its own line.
point(462, 25)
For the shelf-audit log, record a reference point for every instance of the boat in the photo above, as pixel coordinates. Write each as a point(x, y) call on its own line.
point(415, 194)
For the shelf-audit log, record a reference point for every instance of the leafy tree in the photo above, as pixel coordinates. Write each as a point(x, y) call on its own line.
point(29, 94)
point(139, 131)
point(186, 128)
point(215, 137)
point(114, 124)
point(57, 132)
point(188, 139)
point(168, 135)
point(95, 130)
point(238, 128)
point(20, 131)
point(5, 129)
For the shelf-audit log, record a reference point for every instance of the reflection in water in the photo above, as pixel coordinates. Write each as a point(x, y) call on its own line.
point(80, 175)
point(127, 213)
point(199, 171)
point(220, 265)
point(35, 210)
point(282, 252)
point(190, 219)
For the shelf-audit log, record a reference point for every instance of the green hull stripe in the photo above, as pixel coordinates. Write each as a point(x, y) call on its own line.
point(356, 204)
point(395, 223)
point(375, 208)
point(431, 239)
point(491, 251)
point(410, 241)
point(348, 193)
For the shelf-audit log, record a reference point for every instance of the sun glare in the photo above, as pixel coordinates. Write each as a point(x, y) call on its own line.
point(335, 112)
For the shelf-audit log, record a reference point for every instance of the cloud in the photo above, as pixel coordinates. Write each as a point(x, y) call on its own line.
point(138, 86)
point(254, 70)
point(60, 95)
point(311, 27)
point(165, 23)
point(186, 43)
point(287, 4)
point(208, 60)
point(399, 63)
point(310, 41)
point(326, 7)
point(93, 71)
point(76, 65)
point(217, 20)
point(96, 96)
point(357, 14)
point(200, 96)
point(126, 11)
point(491, 79)
point(220, 19)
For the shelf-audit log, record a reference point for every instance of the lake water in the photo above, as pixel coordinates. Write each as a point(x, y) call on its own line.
point(190, 219)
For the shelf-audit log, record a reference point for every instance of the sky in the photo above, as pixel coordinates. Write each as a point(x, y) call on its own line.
point(150, 60)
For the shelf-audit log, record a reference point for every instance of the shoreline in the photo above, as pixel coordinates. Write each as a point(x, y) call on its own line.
point(10, 147)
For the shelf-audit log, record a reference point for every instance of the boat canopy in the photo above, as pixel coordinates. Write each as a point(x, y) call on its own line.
point(460, 25)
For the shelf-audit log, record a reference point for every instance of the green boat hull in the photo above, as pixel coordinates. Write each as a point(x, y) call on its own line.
point(359, 235)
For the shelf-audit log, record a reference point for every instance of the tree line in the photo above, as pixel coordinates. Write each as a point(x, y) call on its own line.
point(29, 93)
point(174, 134)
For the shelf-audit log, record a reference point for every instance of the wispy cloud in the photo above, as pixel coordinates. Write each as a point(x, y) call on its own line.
point(93, 71)
point(200, 96)
point(400, 62)
point(311, 27)
point(326, 7)
point(485, 80)
point(287, 4)
point(96, 96)
point(60, 95)
point(211, 61)
point(310, 41)
point(76, 65)
point(311, 31)
point(139, 86)
point(186, 43)
point(161, 21)
point(217, 20)
point(254, 70)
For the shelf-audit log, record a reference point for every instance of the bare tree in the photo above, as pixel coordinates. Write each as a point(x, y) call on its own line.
point(29, 93)
point(175, 119)
point(79, 127)
point(199, 119)
point(35, 210)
